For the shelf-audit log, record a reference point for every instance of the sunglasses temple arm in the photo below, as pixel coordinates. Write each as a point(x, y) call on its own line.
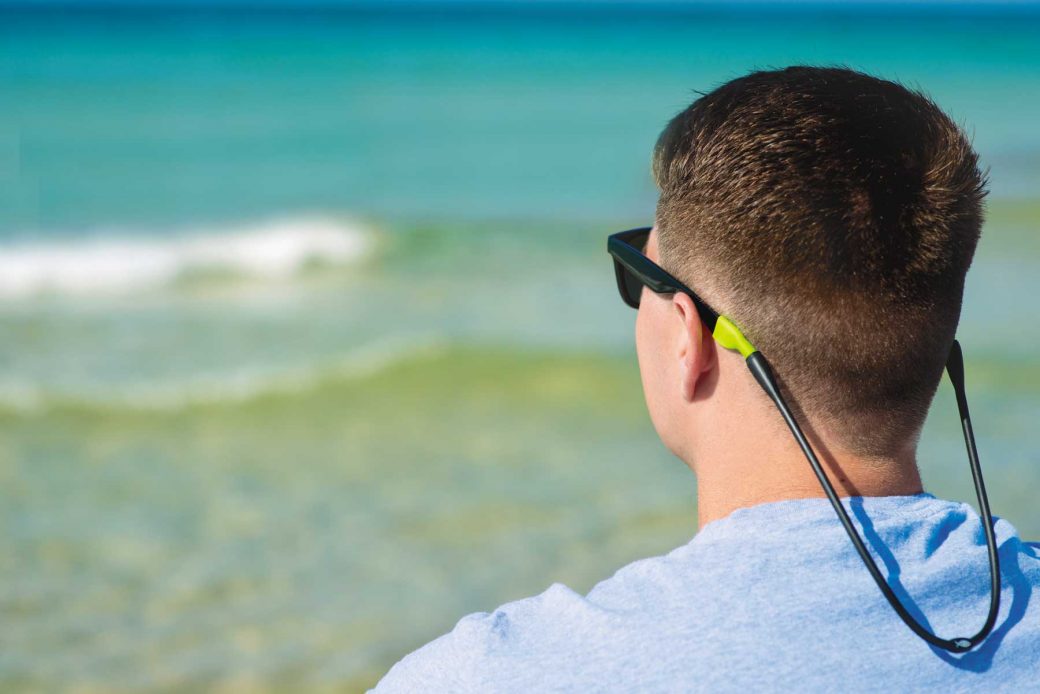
point(763, 373)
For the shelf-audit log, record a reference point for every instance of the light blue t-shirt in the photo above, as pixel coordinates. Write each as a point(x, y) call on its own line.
point(770, 598)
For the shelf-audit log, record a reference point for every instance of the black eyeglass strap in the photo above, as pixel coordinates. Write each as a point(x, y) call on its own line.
point(955, 367)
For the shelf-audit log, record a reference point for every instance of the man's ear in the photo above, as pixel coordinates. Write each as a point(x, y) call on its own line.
point(694, 346)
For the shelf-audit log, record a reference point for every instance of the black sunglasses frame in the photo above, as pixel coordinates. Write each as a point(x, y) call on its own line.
point(626, 247)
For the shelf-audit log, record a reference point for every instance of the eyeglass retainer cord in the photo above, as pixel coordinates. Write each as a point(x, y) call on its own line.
point(763, 373)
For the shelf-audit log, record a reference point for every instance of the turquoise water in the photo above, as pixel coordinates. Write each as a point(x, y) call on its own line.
point(309, 344)
point(147, 119)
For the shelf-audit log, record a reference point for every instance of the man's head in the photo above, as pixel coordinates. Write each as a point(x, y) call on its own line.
point(833, 216)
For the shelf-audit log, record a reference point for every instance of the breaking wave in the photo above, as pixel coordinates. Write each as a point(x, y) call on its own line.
point(120, 263)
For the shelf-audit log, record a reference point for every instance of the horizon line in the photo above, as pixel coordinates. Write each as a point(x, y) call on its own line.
point(548, 9)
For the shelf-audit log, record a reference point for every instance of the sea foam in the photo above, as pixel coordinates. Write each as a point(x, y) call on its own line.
point(123, 262)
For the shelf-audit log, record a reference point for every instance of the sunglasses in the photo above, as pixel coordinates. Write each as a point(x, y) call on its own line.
point(634, 271)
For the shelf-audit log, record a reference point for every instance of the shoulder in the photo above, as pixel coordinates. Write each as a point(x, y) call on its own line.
point(449, 663)
point(538, 642)
point(488, 651)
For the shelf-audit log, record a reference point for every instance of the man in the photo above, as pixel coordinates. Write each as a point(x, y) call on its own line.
point(829, 218)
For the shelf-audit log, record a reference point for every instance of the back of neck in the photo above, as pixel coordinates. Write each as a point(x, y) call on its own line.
point(738, 477)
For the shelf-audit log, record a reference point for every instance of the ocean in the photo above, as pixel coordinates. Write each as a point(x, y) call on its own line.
point(309, 342)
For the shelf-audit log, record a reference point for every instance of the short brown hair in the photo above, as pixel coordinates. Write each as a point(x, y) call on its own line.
point(833, 216)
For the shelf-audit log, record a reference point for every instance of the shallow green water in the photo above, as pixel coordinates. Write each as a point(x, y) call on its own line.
point(308, 536)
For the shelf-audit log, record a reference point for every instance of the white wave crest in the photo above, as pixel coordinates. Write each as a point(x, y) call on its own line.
point(274, 249)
